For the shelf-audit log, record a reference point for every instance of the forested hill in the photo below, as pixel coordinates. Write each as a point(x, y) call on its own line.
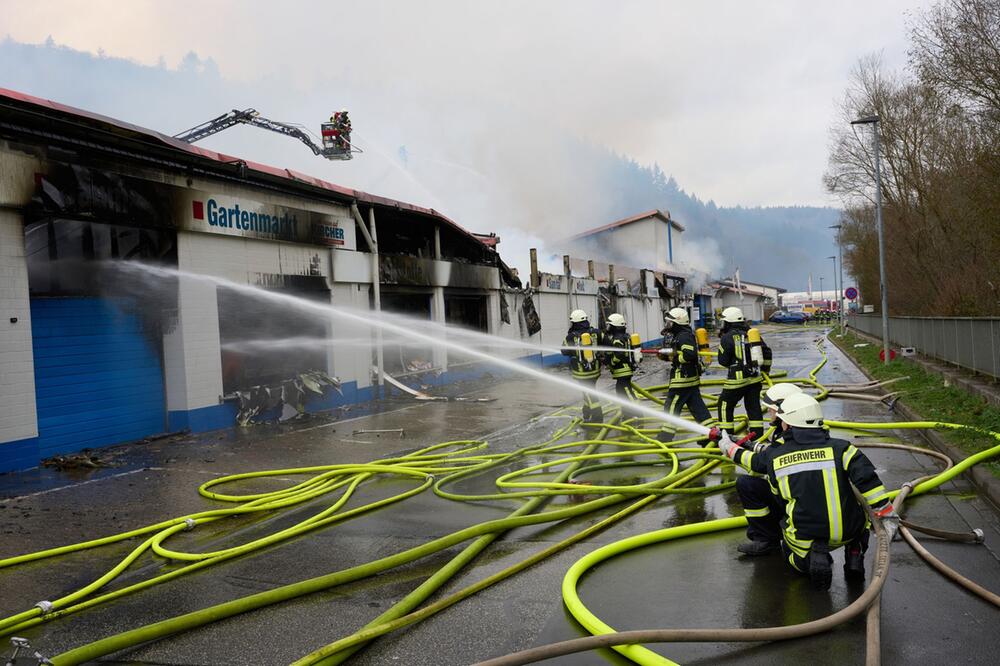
point(778, 245)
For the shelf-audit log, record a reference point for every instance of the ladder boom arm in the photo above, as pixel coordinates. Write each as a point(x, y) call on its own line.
point(216, 125)
point(287, 130)
point(247, 117)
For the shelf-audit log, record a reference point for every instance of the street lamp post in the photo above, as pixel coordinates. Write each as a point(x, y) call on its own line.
point(883, 288)
point(836, 292)
point(840, 296)
point(822, 297)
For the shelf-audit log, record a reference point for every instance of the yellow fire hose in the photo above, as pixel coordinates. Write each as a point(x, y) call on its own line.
point(559, 467)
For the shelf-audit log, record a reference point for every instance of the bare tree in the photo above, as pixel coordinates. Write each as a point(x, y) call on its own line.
point(941, 165)
point(956, 48)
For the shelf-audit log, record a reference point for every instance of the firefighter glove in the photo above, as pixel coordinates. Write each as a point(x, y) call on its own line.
point(890, 520)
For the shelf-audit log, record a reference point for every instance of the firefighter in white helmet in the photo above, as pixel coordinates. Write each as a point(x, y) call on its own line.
point(621, 363)
point(771, 400)
point(758, 500)
point(743, 381)
point(584, 365)
point(811, 475)
point(680, 348)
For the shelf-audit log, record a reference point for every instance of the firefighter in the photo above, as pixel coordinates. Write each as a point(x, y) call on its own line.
point(681, 349)
point(754, 491)
point(621, 363)
point(585, 366)
point(736, 352)
point(812, 474)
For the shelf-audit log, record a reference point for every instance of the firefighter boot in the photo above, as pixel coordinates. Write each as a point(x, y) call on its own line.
point(854, 562)
point(820, 569)
point(755, 547)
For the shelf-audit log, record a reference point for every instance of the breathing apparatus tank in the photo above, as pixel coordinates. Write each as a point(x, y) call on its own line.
point(586, 341)
point(636, 344)
point(701, 335)
point(756, 346)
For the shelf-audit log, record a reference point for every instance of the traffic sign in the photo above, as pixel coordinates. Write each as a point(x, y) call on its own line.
point(851, 293)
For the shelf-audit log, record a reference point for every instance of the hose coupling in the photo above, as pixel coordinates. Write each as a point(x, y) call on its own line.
point(190, 523)
point(980, 535)
point(44, 606)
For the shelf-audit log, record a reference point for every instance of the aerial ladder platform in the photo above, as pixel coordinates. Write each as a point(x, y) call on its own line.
point(336, 134)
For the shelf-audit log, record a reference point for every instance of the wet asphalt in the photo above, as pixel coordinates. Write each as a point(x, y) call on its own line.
point(697, 582)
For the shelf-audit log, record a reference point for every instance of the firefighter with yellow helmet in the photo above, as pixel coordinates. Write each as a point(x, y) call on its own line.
point(680, 348)
point(746, 357)
point(813, 510)
point(584, 364)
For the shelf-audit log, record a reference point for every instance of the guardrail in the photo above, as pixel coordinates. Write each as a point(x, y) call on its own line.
point(968, 342)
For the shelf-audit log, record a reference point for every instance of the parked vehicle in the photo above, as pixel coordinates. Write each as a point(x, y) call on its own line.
point(784, 317)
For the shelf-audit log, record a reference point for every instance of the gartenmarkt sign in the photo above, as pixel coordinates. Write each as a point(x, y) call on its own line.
point(237, 216)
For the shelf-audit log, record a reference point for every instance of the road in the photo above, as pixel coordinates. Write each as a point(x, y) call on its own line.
point(697, 582)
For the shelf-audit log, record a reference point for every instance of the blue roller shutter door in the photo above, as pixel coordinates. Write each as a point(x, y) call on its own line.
point(98, 377)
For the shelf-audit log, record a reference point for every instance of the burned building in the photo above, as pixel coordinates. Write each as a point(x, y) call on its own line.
point(106, 338)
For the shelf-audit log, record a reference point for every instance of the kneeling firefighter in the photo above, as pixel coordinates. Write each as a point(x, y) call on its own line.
point(760, 505)
point(622, 363)
point(744, 353)
point(584, 364)
point(680, 347)
point(811, 473)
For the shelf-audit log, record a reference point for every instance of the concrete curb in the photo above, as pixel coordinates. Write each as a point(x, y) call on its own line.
point(984, 481)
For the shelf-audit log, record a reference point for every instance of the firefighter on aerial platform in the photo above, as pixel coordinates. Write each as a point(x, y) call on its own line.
point(342, 129)
point(810, 476)
point(584, 364)
point(680, 348)
point(621, 363)
point(742, 351)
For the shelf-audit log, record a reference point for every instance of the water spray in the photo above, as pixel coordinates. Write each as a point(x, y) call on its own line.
point(366, 318)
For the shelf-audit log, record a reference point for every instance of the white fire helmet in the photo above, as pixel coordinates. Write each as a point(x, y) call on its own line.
point(774, 396)
point(732, 315)
point(576, 316)
point(678, 316)
point(801, 410)
point(616, 320)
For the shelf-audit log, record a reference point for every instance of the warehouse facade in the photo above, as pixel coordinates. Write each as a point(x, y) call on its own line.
point(106, 336)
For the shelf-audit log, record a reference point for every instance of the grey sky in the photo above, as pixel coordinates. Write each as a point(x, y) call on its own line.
point(733, 98)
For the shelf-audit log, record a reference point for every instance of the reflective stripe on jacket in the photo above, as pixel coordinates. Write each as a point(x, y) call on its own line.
point(685, 370)
point(621, 363)
point(812, 473)
point(579, 366)
point(734, 354)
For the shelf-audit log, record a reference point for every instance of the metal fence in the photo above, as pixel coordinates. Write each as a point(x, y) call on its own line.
point(968, 342)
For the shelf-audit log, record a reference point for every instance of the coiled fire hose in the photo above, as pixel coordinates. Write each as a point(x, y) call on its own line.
point(436, 467)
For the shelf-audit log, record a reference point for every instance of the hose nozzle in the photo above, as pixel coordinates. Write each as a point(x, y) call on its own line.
point(714, 434)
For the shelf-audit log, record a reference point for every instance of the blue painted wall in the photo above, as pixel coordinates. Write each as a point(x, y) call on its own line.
point(99, 382)
point(98, 379)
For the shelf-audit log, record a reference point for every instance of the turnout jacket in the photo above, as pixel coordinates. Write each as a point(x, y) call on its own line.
point(734, 354)
point(621, 363)
point(579, 366)
point(812, 473)
point(685, 369)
